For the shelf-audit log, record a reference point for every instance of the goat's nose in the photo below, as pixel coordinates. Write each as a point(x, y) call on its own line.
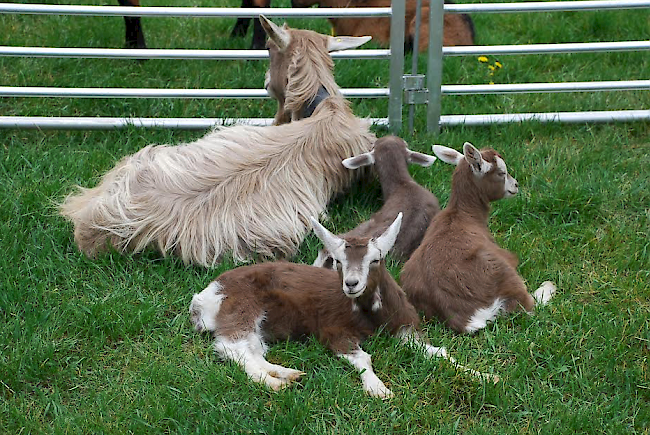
point(351, 283)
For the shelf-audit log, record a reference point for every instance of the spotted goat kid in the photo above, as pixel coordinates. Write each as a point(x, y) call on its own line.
point(247, 307)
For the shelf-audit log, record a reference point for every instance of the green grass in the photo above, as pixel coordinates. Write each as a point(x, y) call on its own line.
point(105, 345)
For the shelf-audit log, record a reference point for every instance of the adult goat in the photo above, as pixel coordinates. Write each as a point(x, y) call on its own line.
point(244, 189)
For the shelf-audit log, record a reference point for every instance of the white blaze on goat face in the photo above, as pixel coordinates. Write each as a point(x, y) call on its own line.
point(511, 187)
point(205, 307)
point(355, 273)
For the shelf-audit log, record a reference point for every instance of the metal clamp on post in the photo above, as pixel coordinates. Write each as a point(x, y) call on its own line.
point(415, 91)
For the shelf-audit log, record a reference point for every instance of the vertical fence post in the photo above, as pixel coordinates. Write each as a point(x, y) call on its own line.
point(414, 58)
point(434, 68)
point(396, 65)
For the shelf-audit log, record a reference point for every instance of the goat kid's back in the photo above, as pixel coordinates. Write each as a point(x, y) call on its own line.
point(401, 194)
point(459, 274)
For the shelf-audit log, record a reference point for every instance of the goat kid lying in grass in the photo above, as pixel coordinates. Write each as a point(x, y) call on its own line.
point(400, 192)
point(459, 274)
point(248, 306)
point(241, 189)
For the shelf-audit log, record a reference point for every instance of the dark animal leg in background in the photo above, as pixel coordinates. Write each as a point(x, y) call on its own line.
point(134, 36)
point(241, 26)
point(259, 37)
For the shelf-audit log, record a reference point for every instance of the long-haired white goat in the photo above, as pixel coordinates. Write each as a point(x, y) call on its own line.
point(242, 189)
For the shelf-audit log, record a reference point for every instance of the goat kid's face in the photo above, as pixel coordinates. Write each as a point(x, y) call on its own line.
point(487, 166)
point(358, 258)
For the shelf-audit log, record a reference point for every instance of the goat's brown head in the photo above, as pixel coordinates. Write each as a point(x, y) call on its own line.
point(359, 257)
point(300, 65)
point(389, 149)
point(489, 171)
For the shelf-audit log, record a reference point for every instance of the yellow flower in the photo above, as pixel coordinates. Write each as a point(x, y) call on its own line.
point(498, 64)
point(491, 83)
point(491, 67)
point(482, 59)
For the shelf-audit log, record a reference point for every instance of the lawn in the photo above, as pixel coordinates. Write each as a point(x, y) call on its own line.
point(105, 345)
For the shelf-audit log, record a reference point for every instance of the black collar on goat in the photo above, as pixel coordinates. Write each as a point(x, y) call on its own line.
point(321, 95)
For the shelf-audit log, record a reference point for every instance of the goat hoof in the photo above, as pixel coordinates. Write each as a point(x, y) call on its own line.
point(381, 392)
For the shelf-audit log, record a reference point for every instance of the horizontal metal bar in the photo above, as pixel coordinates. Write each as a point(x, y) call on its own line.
point(580, 47)
point(37, 91)
point(42, 9)
point(561, 117)
point(628, 85)
point(81, 123)
point(545, 6)
point(123, 53)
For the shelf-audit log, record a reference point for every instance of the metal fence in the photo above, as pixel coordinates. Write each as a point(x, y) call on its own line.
point(395, 54)
point(435, 90)
point(429, 90)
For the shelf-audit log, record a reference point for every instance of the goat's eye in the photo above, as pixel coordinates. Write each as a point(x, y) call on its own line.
point(501, 174)
point(374, 262)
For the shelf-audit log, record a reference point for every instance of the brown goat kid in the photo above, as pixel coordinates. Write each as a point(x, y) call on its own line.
point(459, 274)
point(248, 306)
point(458, 29)
point(401, 193)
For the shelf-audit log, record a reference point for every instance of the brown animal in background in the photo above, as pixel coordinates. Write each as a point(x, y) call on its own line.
point(458, 29)
point(401, 193)
point(246, 307)
point(459, 274)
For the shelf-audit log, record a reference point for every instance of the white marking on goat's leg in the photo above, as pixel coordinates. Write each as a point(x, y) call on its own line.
point(240, 352)
point(371, 383)
point(412, 338)
point(259, 348)
point(544, 293)
point(483, 316)
point(205, 307)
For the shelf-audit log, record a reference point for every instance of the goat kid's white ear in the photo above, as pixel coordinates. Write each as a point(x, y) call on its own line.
point(448, 155)
point(279, 35)
point(365, 159)
point(330, 241)
point(337, 43)
point(420, 158)
point(475, 159)
point(386, 241)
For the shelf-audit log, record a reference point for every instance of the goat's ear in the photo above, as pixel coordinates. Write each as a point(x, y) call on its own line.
point(280, 36)
point(420, 158)
point(475, 159)
point(336, 43)
point(386, 241)
point(365, 159)
point(331, 242)
point(448, 155)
